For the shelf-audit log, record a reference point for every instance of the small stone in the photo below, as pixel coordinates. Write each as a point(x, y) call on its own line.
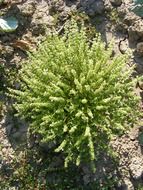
point(132, 137)
point(139, 48)
point(116, 2)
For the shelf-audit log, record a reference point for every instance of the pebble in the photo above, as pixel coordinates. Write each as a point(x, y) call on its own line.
point(116, 2)
point(139, 48)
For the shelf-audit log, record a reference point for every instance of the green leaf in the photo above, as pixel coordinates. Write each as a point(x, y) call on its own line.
point(1, 1)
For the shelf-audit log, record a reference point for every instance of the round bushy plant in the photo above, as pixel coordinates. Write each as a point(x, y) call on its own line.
point(75, 93)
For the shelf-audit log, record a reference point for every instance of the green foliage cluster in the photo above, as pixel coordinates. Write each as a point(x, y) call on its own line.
point(75, 93)
point(114, 16)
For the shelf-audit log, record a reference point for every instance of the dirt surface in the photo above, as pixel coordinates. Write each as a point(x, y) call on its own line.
point(36, 19)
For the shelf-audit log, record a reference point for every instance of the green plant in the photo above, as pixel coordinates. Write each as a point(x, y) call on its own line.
point(114, 16)
point(1, 1)
point(73, 92)
point(140, 187)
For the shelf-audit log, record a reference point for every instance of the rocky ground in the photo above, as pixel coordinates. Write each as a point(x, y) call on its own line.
point(113, 19)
